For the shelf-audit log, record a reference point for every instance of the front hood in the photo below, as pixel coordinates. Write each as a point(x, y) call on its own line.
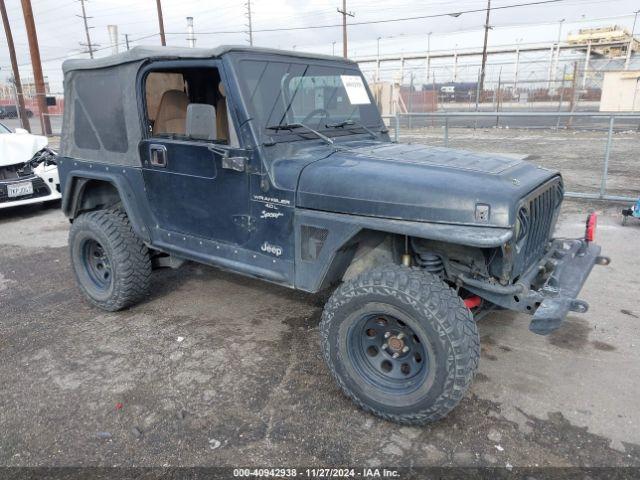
point(17, 148)
point(419, 183)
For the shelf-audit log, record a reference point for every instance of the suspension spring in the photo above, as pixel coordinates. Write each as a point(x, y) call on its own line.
point(431, 262)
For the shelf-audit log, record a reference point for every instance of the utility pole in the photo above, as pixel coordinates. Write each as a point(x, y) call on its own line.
point(86, 29)
point(163, 40)
point(36, 64)
point(484, 48)
point(14, 66)
point(344, 14)
point(631, 42)
point(250, 24)
point(126, 40)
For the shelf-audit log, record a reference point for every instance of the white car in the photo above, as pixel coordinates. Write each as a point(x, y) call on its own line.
point(19, 183)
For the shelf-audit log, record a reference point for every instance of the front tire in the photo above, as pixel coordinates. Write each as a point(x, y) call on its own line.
point(400, 343)
point(111, 264)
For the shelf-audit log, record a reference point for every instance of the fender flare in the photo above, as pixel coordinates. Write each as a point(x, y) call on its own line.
point(77, 181)
point(314, 275)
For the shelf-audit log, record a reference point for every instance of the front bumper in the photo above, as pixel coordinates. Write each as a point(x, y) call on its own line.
point(46, 186)
point(570, 263)
point(549, 289)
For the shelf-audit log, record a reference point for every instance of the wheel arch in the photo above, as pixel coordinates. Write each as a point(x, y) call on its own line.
point(363, 250)
point(97, 190)
point(343, 246)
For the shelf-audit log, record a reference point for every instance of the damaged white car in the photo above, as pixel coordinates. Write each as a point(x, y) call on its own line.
point(28, 173)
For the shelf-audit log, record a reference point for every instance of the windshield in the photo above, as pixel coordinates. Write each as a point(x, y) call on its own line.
point(4, 129)
point(279, 93)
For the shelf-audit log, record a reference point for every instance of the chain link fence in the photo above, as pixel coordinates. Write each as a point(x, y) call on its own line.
point(595, 151)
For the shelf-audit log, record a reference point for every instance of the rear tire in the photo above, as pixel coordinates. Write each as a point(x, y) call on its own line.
point(111, 264)
point(400, 343)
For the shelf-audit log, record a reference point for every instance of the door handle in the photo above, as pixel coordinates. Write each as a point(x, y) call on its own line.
point(158, 155)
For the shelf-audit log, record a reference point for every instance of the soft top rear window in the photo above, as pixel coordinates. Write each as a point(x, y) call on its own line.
point(99, 112)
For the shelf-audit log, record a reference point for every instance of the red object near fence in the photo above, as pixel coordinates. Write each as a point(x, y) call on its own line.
point(419, 101)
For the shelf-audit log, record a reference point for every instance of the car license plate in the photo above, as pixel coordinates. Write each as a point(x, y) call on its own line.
point(19, 189)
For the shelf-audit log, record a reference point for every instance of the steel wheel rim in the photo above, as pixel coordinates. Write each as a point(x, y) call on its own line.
point(97, 264)
point(388, 353)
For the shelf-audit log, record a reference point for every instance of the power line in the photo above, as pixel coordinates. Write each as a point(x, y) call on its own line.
point(64, 57)
point(371, 22)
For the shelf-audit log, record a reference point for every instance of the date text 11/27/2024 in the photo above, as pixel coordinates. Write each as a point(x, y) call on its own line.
point(316, 472)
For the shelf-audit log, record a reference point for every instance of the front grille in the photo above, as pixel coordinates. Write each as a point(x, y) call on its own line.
point(540, 212)
point(40, 189)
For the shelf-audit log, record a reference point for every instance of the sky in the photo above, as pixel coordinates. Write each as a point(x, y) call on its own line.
point(60, 30)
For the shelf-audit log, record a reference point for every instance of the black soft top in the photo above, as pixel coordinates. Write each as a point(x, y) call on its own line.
point(101, 119)
point(139, 53)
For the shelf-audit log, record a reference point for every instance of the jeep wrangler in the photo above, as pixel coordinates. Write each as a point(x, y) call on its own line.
point(277, 165)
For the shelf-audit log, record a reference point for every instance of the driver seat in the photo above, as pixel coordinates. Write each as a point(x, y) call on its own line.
point(172, 113)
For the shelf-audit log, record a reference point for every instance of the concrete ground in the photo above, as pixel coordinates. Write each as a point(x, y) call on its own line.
point(217, 369)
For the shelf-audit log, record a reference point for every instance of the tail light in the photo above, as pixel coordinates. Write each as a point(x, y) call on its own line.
point(590, 231)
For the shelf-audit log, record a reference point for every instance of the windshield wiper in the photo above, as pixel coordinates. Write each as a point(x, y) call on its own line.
point(348, 123)
point(293, 126)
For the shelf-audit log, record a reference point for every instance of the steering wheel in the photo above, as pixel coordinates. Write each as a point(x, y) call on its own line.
point(315, 112)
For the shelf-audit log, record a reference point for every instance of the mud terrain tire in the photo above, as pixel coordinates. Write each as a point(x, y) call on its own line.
point(433, 336)
point(111, 264)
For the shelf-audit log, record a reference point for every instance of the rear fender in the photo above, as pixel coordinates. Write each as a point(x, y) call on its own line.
point(89, 185)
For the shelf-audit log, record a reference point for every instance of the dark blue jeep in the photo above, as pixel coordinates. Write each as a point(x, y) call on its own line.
point(277, 165)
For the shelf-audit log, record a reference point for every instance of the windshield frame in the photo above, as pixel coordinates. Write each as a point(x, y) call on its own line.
point(264, 135)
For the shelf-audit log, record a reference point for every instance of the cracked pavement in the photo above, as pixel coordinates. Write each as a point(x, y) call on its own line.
point(217, 369)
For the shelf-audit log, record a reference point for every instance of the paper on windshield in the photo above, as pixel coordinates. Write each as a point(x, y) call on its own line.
point(356, 90)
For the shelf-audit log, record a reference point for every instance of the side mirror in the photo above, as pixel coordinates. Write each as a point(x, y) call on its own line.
point(21, 131)
point(239, 164)
point(232, 158)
